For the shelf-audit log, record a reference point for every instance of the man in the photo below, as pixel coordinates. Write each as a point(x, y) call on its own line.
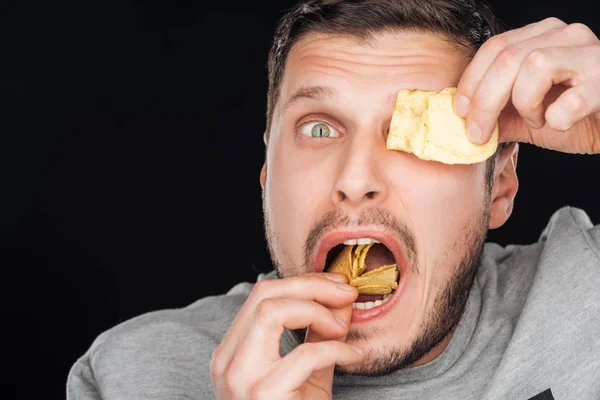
point(468, 320)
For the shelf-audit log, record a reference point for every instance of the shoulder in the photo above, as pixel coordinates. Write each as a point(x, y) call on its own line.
point(202, 322)
point(574, 225)
point(569, 230)
point(160, 350)
point(568, 242)
point(539, 303)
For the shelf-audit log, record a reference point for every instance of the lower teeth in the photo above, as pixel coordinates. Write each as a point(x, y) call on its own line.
point(370, 304)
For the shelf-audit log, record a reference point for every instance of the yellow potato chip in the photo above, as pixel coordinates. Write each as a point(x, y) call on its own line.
point(351, 262)
point(374, 289)
point(424, 123)
point(361, 255)
point(343, 263)
point(384, 275)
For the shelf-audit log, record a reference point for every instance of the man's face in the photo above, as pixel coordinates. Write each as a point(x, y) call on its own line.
point(329, 178)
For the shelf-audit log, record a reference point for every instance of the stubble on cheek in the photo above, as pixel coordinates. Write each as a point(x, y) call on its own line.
point(281, 257)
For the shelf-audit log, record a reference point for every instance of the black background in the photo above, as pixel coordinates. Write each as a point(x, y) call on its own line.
point(130, 150)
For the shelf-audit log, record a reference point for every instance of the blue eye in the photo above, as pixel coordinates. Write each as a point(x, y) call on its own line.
point(318, 130)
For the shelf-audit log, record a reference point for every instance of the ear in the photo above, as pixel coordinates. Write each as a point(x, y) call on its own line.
point(263, 176)
point(263, 170)
point(505, 186)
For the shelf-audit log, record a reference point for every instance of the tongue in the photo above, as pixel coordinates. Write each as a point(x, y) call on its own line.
point(363, 298)
point(378, 256)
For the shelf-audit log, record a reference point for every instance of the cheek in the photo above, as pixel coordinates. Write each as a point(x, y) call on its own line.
point(300, 181)
point(442, 201)
point(297, 193)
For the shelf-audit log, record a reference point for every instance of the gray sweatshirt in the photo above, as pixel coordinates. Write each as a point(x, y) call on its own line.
point(530, 330)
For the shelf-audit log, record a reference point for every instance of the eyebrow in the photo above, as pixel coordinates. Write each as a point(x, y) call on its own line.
point(321, 93)
point(308, 92)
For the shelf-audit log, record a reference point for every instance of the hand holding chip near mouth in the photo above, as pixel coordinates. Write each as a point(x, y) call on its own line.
point(351, 262)
point(424, 123)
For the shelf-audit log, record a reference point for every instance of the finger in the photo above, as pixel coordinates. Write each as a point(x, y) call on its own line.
point(574, 105)
point(314, 287)
point(343, 315)
point(324, 376)
point(260, 346)
point(541, 70)
point(495, 88)
point(293, 370)
point(486, 55)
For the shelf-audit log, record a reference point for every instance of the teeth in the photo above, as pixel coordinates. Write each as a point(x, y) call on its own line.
point(360, 241)
point(370, 304)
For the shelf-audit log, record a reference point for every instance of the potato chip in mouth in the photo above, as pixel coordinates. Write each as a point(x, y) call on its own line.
point(352, 262)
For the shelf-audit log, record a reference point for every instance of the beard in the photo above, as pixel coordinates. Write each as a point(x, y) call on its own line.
point(440, 321)
point(448, 306)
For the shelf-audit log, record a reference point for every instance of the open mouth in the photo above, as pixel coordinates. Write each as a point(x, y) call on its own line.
point(370, 267)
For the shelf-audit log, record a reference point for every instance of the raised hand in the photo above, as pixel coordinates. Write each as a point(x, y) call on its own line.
point(540, 82)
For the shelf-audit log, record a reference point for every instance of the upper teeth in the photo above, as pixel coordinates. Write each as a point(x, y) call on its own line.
point(360, 241)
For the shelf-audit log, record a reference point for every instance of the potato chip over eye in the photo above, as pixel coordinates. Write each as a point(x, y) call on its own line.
point(352, 263)
point(424, 123)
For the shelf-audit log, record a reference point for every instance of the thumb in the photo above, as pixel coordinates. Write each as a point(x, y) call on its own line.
point(324, 377)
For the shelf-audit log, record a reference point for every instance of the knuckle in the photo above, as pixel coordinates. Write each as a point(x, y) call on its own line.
point(259, 391)
point(497, 43)
point(308, 350)
point(538, 60)
point(235, 384)
point(575, 103)
point(217, 363)
point(579, 30)
point(553, 22)
point(266, 311)
point(230, 379)
point(507, 57)
point(261, 287)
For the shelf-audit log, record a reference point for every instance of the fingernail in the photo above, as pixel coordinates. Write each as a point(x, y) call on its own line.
point(474, 132)
point(336, 277)
point(340, 321)
point(345, 287)
point(461, 105)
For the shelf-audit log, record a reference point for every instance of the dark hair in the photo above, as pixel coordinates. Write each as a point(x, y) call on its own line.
point(465, 23)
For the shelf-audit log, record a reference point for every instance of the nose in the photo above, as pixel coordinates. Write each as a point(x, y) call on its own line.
point(361, 181)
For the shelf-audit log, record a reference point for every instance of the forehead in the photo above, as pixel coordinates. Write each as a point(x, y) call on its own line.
point(384, 64)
